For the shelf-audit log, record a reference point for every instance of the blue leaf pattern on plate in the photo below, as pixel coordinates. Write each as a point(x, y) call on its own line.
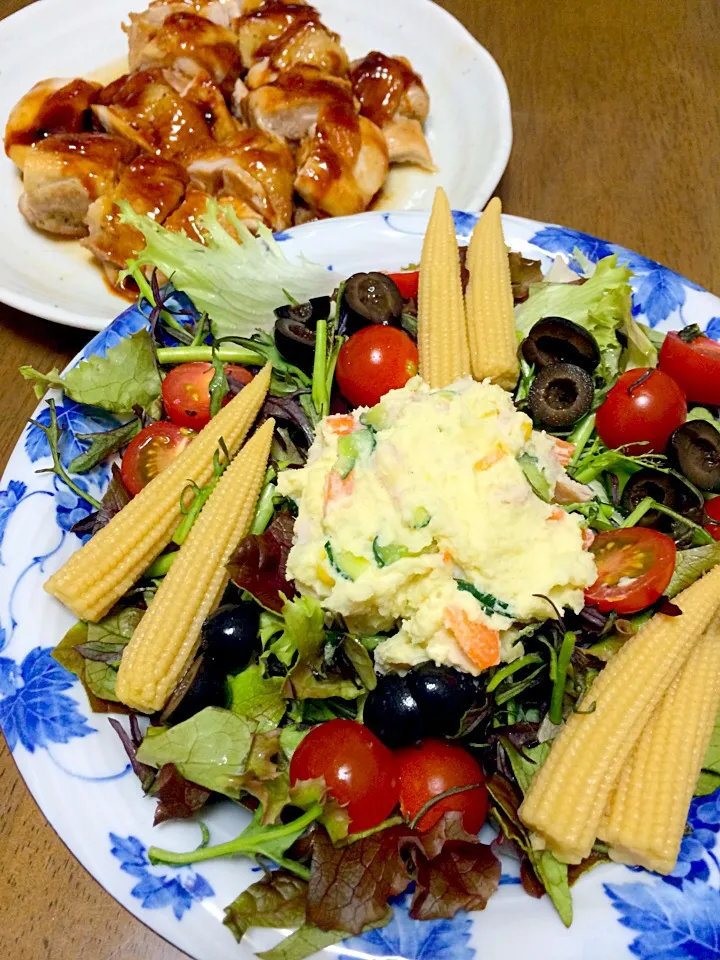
point(675, 924)
point(658, 291)
point(713, 328)
point(129, 322)
point(565, 241)
point(155, 889)
point(73, 418)
point(34, 710)
point(464, 223)
point(414, 939)
point(9, 500)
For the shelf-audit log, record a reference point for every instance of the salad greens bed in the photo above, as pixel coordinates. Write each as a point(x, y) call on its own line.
point(243, 708)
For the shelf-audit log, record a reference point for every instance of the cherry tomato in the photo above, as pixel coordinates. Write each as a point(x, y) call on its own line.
point(695, 366)
point(153, 449)
point(634, 565)
point(186, 392)
point(641, 408)
point(712, 510)
point(358, 770)
point(239, 374)
point(432, 767)
point(407, 283)
point(374, 360)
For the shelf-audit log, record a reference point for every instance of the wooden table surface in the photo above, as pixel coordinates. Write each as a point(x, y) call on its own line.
point(617, 133)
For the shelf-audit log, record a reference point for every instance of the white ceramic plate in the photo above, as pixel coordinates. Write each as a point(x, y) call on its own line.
point(58, 280)
point(75, 767)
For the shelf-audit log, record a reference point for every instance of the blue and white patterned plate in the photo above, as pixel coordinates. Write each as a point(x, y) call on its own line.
point(76, 769)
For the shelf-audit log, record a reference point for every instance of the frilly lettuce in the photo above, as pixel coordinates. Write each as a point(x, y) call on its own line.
point(238, 285)
point(603, 306)
point(125, 378)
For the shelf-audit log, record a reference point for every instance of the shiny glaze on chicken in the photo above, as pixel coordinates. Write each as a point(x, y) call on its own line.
point(249, 104)
point(51, 106)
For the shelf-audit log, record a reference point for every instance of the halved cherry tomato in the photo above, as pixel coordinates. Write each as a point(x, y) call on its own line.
point(712, 510)
point(186, 392)
point(374, 360)
point(153, 449)
point(432, 767)
point(634, 566)
point(407, 283)
point(358, 769)
point(641, 411)
point(695, 366)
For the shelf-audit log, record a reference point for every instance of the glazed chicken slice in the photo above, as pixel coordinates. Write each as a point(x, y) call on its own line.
point(343, 162)
point(199, 89)
point(289, 107)
point(51, 106)
point(190, 43)
point(152, 186)
point(275, 36)
point(255, 167)
point(312, 45)
point(64, 174)
point(186, 219)
point(145, 110)
point(394, 97)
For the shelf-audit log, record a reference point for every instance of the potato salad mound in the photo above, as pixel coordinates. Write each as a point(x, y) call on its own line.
point(418, 518)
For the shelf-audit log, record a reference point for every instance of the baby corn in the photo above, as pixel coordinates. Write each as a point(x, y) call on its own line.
point(647, 812)
point(489, 303)
point(442, 337)
point(571, 790)
point(95, 577)
point(168, 634)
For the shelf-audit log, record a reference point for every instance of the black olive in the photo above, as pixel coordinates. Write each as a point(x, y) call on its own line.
point(556, 340)
point(444, 696)
point(296, 342)
point(230, 636)
point(369, 298)
point(694, 448)
point(392, 713)
point(669, 490)
point(560, 395)
point(317, 308)
point(202, 685)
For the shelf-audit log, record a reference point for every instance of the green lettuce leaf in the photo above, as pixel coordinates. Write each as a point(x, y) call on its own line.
point(690, 565)
point(702, 413)
point(552, 874)
point(106, 639)
point(303, 684)
point(238, 285)
point(290, 739)
point(258, 699)
point(125, 378)
point(525, 767)
point(305, 626)
point(304, 942)
point(554, 877)
point(116, 627)
point(65, 653)
point(210, 749)
point(602, 305)
point(278, 900)
point(101, 678)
